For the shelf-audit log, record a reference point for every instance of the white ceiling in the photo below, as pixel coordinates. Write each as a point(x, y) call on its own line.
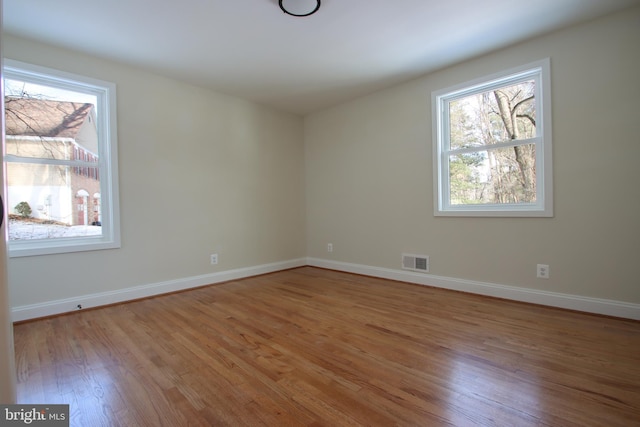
point(251, 49)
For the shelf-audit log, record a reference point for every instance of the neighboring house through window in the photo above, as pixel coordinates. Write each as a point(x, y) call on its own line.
point(492, 145)
point(61, 161)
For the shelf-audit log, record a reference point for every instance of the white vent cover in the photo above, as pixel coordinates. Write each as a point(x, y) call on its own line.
point(415, 262)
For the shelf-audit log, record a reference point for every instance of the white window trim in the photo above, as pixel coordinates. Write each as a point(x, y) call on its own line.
point(108, 160)
point(544, 163)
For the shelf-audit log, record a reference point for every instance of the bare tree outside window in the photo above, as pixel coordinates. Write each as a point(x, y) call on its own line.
point(500, 175)
point(53, 159)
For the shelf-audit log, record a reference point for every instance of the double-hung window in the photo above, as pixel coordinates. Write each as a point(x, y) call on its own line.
point(61, 161)
point(492, 145)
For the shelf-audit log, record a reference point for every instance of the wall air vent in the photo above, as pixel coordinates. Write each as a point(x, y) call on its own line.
point(415, 262)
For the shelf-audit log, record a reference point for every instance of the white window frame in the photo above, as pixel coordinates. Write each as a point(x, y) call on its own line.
point(543, 207)
point(105, 93)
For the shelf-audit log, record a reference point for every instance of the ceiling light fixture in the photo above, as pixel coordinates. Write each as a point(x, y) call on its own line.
point(299, 7)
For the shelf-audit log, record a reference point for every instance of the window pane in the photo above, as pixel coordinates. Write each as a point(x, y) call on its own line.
point(23, 89)
point(499, 176)
point(43, 128)
point(490, 117)
point(50, 201)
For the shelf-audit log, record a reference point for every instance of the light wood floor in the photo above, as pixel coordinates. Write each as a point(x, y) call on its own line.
point(312, 347)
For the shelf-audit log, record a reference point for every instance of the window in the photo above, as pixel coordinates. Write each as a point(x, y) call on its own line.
point(492, 145)
point(61, 161)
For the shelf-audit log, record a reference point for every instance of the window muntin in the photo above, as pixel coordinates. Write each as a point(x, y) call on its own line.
point(492, 145)
point(66, 170)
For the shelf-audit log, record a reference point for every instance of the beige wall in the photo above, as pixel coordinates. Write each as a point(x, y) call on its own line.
point(7, 360)
point(370, 181)
point(200, 172)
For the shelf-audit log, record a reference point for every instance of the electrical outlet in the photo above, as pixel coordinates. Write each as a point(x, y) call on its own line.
point(543, 271)
point(329, 247)
point(214, 259)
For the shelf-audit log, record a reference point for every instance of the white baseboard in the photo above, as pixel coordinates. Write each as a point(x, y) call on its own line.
point(553, 299)
point(51, 308)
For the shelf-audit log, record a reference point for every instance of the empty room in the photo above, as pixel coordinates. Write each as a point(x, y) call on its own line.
point(320, 213)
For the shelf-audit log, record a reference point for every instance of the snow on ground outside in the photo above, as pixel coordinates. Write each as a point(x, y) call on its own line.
point(23, 230)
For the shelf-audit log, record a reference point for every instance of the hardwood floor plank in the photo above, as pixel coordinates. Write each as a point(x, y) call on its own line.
point(313, 347)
